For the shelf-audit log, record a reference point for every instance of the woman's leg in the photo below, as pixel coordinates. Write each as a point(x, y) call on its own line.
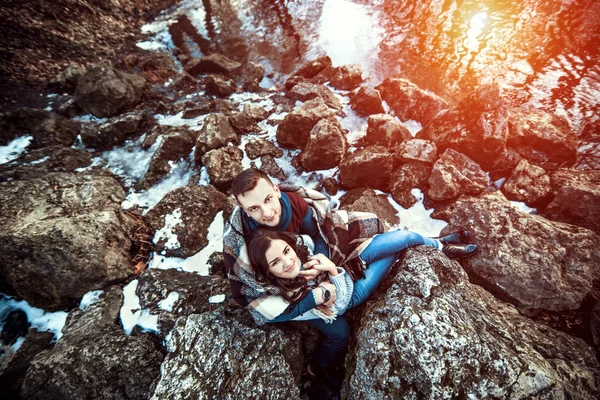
point(380, 255)
point(335, 344)
point(393, 242)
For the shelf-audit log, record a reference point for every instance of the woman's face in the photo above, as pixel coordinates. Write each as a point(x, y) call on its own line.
point(282, 260)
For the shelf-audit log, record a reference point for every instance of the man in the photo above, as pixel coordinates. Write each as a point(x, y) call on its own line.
point(263, 204)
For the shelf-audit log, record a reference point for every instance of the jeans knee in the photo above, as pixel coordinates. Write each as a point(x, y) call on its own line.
point(340, 337)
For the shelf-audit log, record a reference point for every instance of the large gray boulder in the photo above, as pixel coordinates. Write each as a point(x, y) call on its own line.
point(525, 259)
point(63, 235)
point(223, 355)
point(326, 146)
point(46, 128)
point(434, 335)
point(294, 131)
point(94, 358)
point(216, 132)
point(171, 294)
point(410, 101)
point(454, 174)
point(104, 91)
point(192, 209)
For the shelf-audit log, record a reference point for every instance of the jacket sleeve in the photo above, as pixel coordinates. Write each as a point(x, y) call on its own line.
point(298, 309)
point(309, 226)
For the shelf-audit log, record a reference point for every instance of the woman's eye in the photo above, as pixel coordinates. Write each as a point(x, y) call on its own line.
point(286, 250)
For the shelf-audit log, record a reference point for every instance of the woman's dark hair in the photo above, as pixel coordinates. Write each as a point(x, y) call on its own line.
point(291, 289)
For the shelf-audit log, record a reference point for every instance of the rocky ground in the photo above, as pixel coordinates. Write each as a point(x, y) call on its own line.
point(518, 320)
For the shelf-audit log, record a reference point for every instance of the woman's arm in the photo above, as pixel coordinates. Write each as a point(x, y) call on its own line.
point(312, 300)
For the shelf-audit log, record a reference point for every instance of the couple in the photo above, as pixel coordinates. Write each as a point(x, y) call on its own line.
point(273, 276)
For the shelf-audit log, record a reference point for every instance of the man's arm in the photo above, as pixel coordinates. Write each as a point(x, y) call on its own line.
point(310, 227)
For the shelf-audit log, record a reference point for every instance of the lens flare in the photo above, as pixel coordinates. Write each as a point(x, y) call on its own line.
point(476, 25)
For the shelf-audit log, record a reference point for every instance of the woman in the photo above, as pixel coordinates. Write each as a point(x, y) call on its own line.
point(277, 258)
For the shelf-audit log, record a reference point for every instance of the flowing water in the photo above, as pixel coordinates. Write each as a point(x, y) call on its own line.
point(541, 53)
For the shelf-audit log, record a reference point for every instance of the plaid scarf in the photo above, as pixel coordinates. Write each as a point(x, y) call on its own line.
point(347, 233)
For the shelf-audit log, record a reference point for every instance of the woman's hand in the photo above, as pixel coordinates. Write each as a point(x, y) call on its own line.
point(321, 263)
point(319, 293)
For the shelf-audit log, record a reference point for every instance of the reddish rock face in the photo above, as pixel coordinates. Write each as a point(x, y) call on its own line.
point(45, 128)
point(527, 183)
point(347, 77)
point(413, 174)
point(216, 132)
point(370, 167)
point(223, 165)
point(326, 146)
point(417, 150)
point(366, 101)
point(304, 91)
point(409, 101)
point(366, 200)
point(476, 128)
point(294, 131)
point(576, 198)
point(545, 139)
point(455, 174)
point(220, 86)
point(213, 64)
point(386, 131)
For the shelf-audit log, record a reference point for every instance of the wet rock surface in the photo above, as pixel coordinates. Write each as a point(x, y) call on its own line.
point(267, 367)
point(366, 101)
point(65, 235)
point(190, 293)
point(104, 91)
point(213, 64)
point(544, 139)
point(115, 131)
point(576, 198)
point(13, 374)
point(409, 101)
point(216, 132)
point(435, 335)
point(525, 259)
point(37, 163)
point(260, 147)
point(366, 200)
point(45, 128)
point(304, 91)
point(176, 144)
point(454, 174)
point(223, 165)
point(527, 183)
point(370, 167)
point(477, 127)
point(95, 358)
point(220, 86)
point(294, 131)
point(326, 146)
point(385, 130)
point(408, 176)
point(191, 211)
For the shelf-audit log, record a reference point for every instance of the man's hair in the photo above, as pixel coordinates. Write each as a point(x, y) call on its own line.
point(247, 180)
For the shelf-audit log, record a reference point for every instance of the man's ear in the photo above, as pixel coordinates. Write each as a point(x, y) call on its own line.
point(276, 188)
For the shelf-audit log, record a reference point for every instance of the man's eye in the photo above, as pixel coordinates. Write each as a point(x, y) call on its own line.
point(252, 209)
point(269, 199)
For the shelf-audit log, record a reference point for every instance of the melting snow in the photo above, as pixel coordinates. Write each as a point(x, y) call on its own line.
point(14, 149)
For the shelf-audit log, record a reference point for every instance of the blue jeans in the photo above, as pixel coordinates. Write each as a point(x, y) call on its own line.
point(379, 256)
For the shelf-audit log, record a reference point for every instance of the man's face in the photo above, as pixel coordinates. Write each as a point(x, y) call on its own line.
point(262, 203)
